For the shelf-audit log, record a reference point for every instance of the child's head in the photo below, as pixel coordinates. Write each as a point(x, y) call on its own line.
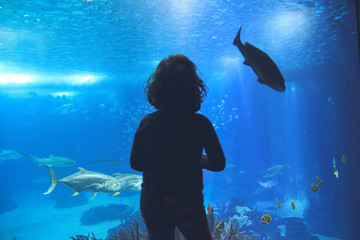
point(175, 85)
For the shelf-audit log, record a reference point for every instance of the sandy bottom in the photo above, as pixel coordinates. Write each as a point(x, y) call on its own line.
point(36, 217)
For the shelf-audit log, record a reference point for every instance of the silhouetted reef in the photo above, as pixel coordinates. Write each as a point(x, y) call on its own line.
point(227, 222)
point(111, 212)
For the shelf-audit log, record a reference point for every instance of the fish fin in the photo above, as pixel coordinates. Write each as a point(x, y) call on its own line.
point(117, 193)
point(81, 169)
point(237, 41)
point(261, 81)
point(75, 194)
point(261, 183)
point(94, 194)
point(53, 179)
point(246, 62)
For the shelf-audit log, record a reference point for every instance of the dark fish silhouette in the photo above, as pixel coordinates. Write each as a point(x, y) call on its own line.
point(50, 161)
point(263, 66)
point(107, 160)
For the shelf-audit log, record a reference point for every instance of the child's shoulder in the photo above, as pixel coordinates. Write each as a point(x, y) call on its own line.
point(201, 117)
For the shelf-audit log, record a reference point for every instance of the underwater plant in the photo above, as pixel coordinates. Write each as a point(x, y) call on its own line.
point(222, 233)
point(133, 233)
point(211, 218)
point(83, 237)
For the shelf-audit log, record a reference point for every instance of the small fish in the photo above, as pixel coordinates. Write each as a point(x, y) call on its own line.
point(292, 205)
point(319, 180)
point(314, 187)
point(220, 225)
point(336, 172)
point(263, 66)
point(278, 203)
point(265, 219)
point(344, 159)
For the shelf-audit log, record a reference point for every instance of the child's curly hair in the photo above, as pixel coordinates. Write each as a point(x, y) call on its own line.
point(175, 85)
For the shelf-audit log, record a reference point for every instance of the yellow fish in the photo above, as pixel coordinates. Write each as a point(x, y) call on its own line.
point(265, 219)
point(220, 225)
point(314, 187)
point(292, 205)
point(319, 180)
point(336, 172)
point(278, 203)
point(344, 159)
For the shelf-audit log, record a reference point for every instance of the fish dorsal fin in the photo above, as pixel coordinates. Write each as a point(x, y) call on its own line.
point(246, 62)
point(94, 195)
point(75, 194)
point(81, 169)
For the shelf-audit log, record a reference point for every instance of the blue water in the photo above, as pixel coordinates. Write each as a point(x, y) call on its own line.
point(71, 84)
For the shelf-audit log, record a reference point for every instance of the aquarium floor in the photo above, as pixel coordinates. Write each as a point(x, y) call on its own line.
point(36, 217)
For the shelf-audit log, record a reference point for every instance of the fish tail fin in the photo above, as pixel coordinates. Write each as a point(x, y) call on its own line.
point(237, 41)
point(53, 179)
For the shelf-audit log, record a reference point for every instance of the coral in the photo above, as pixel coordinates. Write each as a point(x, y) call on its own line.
point(211, 218)
point(83, 237)
point(231, 233)
point(105, 213)
point(133, 233)
point(241, 218)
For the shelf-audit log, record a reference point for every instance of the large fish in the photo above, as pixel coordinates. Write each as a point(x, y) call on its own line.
point(106, 160)
point(129, 182)
point(9, 155)
point(52, 160)
point(275, 169)
point(269, 184)
point(263, 66)
point(93, 181)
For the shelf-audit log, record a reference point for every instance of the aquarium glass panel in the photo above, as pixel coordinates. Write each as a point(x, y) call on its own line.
point(284, 102)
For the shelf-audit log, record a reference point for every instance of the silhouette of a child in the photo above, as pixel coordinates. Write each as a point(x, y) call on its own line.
point(168, 148)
